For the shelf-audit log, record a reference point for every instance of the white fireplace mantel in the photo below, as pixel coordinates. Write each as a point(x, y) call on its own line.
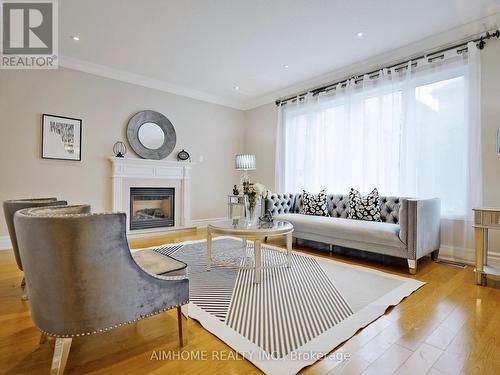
point(129, 172)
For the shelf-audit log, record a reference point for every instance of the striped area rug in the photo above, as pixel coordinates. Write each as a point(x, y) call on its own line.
point(296, 315)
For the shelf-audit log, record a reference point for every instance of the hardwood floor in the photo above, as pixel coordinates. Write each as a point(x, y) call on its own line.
point(450, 326)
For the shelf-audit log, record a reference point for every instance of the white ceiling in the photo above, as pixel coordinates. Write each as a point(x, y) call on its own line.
point(203, 48)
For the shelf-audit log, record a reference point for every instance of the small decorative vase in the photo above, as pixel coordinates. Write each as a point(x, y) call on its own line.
point(252, 208)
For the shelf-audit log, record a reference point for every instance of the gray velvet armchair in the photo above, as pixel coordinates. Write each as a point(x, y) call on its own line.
point(10, 207)
point(82, 278)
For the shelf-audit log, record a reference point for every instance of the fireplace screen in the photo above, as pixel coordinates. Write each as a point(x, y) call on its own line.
point(151, 207)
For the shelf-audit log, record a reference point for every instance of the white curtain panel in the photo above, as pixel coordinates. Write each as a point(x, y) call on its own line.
point(412, 132)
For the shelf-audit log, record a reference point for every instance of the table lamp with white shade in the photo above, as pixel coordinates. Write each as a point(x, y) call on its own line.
point(245, 163)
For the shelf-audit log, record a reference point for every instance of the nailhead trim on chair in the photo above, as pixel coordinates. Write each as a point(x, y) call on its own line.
point(28, 212)
point(32, 213)
point(115, 326)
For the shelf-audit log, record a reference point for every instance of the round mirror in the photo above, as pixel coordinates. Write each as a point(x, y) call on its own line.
point(151, 135)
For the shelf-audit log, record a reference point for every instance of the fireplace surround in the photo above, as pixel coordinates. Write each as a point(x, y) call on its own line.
point(128, 173)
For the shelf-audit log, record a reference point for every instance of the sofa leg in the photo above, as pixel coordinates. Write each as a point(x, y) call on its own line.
point(435, 255)
point(330, 246)
point(412, 266)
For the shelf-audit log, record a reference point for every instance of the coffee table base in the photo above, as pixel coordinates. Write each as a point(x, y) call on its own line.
point(257, 249)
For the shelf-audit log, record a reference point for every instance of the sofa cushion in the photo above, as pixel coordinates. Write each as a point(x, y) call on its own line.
point(337, 205)
point(384, 234)
point(363, 207)
point(314, 204)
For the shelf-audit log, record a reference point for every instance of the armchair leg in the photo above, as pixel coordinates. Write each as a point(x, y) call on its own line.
point(61, 352)
point(435, 255)
point(25, 295)
point(43, 338)
point(182, 327)
point(412, 266)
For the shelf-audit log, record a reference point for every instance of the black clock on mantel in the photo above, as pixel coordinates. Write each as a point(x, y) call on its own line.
point(183, 155)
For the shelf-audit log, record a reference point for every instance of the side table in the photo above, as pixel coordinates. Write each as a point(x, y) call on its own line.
point(485, 218)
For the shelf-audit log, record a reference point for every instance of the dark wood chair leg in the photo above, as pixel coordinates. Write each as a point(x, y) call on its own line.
point(25, 296)
point(43, 338)
point(182, 328)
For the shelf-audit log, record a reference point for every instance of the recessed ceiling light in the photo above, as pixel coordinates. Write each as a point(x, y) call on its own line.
point(75, 38)
point(359, 34)
point(286, 66)
point(236, 88)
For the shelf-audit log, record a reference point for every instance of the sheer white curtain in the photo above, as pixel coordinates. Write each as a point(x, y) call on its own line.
point(411, 132)
point(347, 137)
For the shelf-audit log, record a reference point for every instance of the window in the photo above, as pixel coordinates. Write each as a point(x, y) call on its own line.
point(405, 136)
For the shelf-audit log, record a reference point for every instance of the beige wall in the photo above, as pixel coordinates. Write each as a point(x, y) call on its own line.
point(261, 137)
point(490, 103)
point(490, 98)
point(105, 106)
point(212, 131)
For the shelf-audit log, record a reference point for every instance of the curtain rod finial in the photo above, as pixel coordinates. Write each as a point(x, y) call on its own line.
point(481, 43)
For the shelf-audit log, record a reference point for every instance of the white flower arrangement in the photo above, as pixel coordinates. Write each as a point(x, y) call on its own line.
point(251, 188)
point(252, 191)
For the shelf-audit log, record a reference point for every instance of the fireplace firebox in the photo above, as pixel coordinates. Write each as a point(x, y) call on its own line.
point(151, 207)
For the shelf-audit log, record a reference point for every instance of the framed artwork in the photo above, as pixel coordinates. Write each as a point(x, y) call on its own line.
point(61, 137)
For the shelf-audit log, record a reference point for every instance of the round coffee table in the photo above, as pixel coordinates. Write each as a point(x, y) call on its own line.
point(259, 231)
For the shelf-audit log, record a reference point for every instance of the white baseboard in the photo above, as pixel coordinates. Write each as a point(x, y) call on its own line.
point(202, 223)
point(5, 243)
point(465, 255)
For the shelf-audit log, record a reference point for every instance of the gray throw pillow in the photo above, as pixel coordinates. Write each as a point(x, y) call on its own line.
point(314, 204)
point(364, 207)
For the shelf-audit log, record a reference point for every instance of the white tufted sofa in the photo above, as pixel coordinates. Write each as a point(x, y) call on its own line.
point(410, 228)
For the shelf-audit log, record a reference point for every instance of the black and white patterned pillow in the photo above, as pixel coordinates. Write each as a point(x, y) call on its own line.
point(364, 207)
point(314, 204)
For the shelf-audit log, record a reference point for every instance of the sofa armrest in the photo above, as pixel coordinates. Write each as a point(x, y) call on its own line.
point(280, 203)
point(423, 224)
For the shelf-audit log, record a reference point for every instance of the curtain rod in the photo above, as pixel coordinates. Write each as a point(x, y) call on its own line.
point(480, 42)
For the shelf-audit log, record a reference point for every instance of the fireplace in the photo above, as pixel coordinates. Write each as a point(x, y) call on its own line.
point(151, 207)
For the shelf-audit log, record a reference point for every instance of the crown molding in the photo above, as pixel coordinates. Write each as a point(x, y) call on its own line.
point(371, 63)
point(140, 80)
point(386, 58)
